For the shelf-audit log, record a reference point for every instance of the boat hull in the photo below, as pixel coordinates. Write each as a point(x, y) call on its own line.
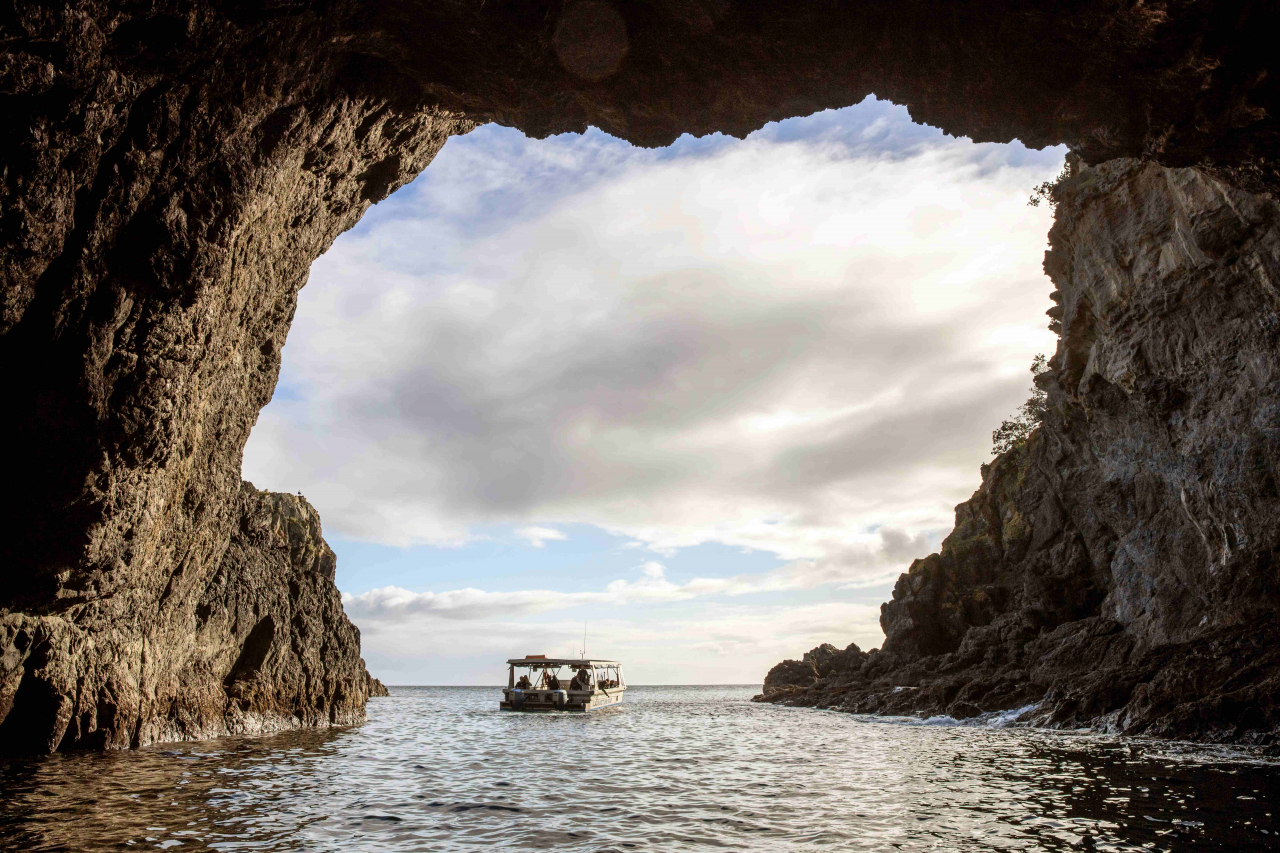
point(545, 701)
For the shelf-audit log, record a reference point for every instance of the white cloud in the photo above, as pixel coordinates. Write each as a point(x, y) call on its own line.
point(775, 346)
point(653, 570)
point(539, 536)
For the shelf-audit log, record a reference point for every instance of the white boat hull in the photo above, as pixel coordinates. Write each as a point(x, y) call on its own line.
point(542, 701)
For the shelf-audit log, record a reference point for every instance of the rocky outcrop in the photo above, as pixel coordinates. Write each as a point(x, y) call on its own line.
point(1117, 569)
point(171, 168)
point(262, 646)
point(1187, 82)
point(375, 688)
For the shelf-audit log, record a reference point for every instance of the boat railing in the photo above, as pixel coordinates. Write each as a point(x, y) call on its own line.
point(594, 688)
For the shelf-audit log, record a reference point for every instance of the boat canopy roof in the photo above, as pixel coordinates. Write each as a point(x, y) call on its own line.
point(575, 662)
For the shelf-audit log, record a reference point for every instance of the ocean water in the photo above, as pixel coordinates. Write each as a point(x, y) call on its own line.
point(673, 769)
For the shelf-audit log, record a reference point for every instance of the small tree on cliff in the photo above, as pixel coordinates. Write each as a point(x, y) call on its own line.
point(1015, 430)
point(1048, 191)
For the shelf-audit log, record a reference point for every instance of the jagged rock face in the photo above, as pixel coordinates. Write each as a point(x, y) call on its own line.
point(299, 660)
point(820, 663)
point(265, 647)
point(171, 168)
point(157, 233)
point(1118, 568)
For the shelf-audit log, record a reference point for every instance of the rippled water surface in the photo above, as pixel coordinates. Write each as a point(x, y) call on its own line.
point(675, 768)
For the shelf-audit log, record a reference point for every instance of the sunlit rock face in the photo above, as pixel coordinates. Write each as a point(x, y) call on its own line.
point(1118, 569)
point(171, 169)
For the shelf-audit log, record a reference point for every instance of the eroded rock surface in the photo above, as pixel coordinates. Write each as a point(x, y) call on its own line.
point(263, 646)
point(375, 688)
point(1117, 570)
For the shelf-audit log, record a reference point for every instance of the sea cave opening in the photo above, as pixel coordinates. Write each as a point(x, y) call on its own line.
point(712, 398)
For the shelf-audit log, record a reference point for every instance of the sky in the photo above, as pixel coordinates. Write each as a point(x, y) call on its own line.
point(705, 402)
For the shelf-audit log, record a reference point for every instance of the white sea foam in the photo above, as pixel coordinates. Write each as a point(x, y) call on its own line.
point(1005, 719)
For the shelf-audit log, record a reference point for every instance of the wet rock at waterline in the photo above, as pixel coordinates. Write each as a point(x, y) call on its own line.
point(1117, 570)
point(171, 169)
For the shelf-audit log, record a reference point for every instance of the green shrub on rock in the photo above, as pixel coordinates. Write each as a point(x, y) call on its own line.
point(1013, 431)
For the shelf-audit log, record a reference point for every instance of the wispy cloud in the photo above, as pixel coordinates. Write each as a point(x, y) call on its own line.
point(539, 536)
point(393, 603)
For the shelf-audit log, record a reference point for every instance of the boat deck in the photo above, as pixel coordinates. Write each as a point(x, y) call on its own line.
point(594, 684)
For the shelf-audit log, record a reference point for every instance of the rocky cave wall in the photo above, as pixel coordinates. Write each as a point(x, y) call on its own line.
point(171, 168)
point(162, 206)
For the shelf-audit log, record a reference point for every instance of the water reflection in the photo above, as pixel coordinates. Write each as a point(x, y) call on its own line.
point(676, 769)
point(181, 795)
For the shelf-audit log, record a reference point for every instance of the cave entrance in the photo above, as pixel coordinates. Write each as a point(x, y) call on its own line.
point(796, 344)
point(179, 172)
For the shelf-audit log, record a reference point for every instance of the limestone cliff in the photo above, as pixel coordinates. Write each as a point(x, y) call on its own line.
point(169, 169)
point(1117, 569)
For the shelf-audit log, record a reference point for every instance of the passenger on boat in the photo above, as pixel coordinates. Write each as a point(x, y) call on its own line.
point(581, 681)
point(524, 683)
point(553, 682)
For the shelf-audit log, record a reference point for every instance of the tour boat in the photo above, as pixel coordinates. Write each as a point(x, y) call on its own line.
point(544, 684)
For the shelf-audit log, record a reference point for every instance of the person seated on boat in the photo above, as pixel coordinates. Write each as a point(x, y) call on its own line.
point(581, 681)
point(553, 682)
point(524, 683)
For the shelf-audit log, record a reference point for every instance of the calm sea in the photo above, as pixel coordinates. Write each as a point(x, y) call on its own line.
point(675, 768)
